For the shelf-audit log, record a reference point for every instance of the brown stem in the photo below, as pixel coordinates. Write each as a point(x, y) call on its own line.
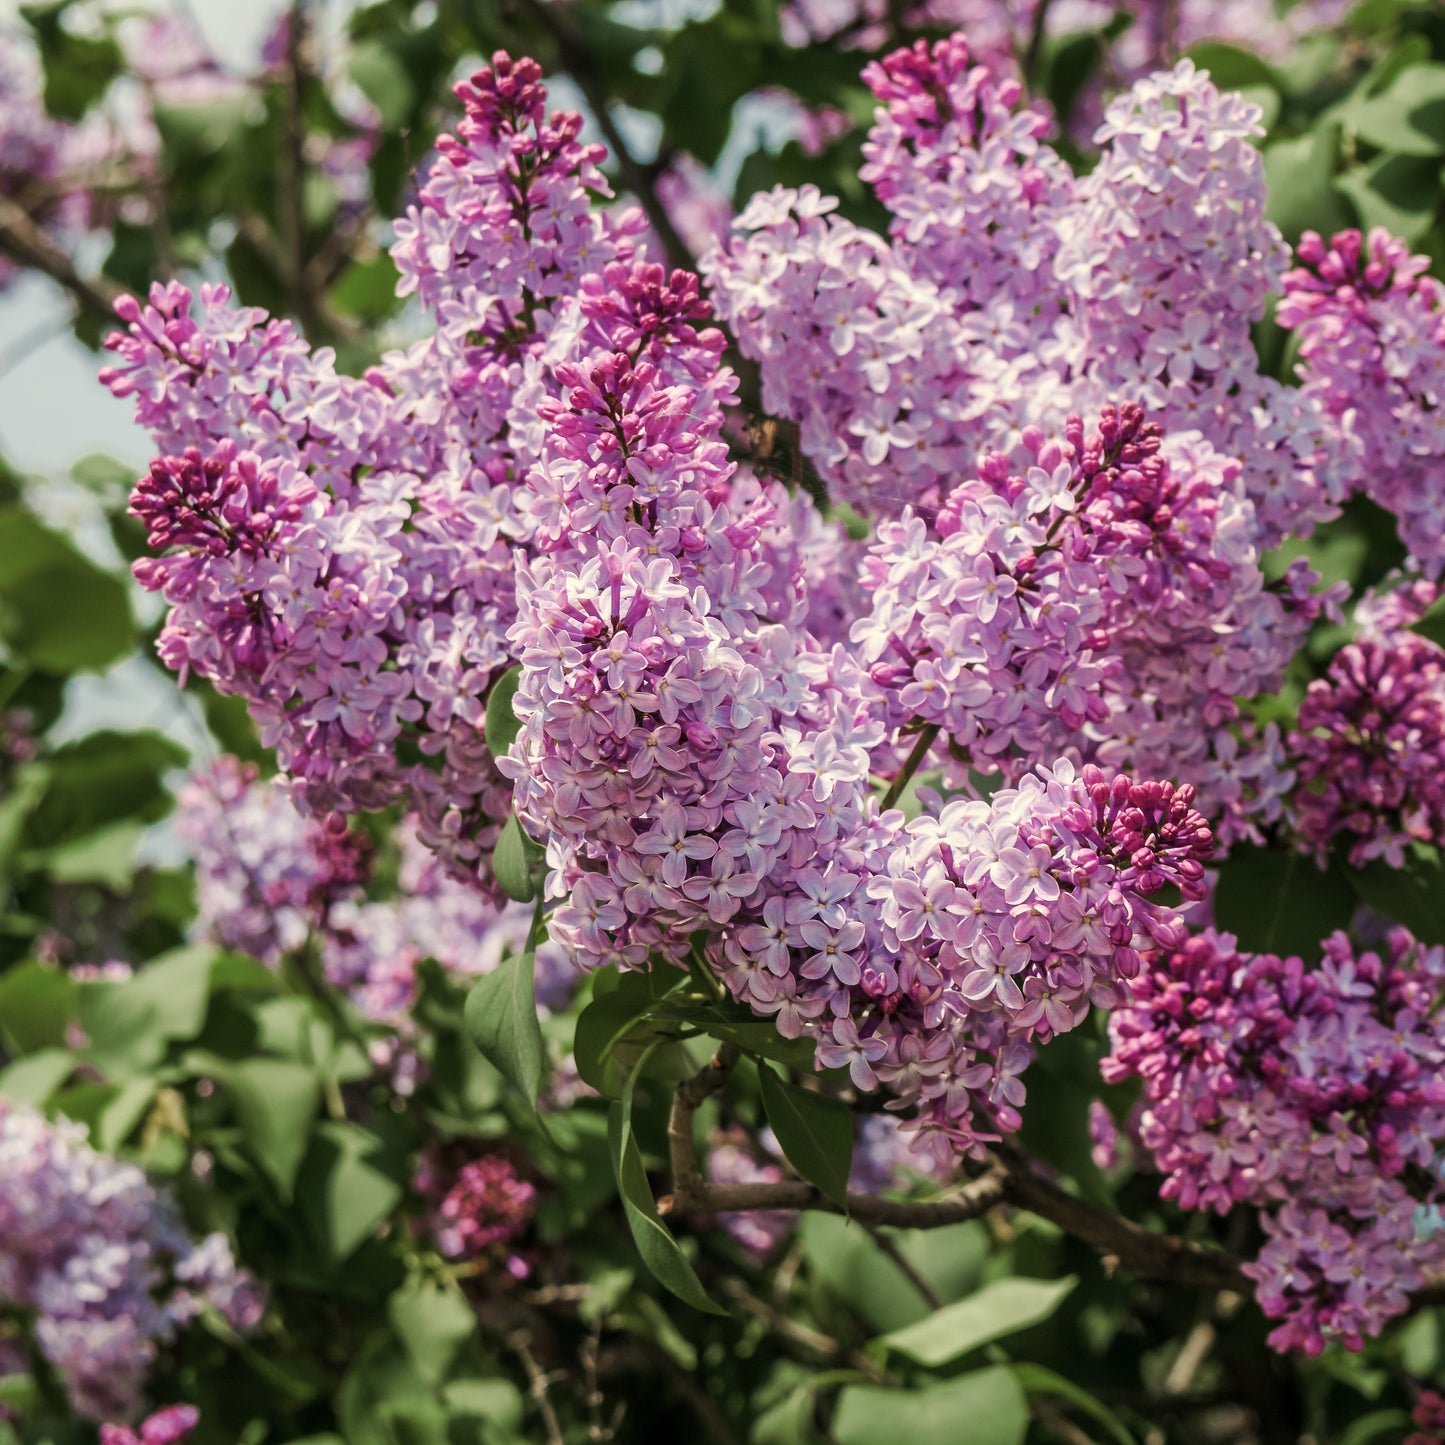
point(293, 172)
point(930, 1296)
point(926, 739)
point(26, 243)
point(1141, 1251)
point(540, 1383)
point(577, 60)
point(795, 1332)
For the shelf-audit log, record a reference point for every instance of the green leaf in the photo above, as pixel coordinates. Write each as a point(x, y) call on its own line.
point(493, 1399)
point(501, 1018)
point(501, 724)
point(130, 1024)
point(383, 79)
point(103, 473)
point(1232, 68)
point(433, 1323)
point(815, 1132)
point(986, 1407)
point(1408, 117)
point(348, 1183)
point(622, 1013)
point(99, 780)
point(998, 1309)
point(850, 1265)
point(1413, 895)
point(58, 610)
point(106, 857)
point(118, 1119)
point(735, 1023)
point(79, 69)
point(1280, 902)
point(36, 1003)
point(33, 1079)
point(1378, 1424)
point(1300, 176)
point(275, 1102)
point(1040, 1380)
point(1400, 193)
point(660, 1252)
point(1431, 625)
point(366, 290)
point(515, 860)
point(192, 133)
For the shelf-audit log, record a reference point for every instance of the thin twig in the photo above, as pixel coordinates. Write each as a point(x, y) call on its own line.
point(293, 171)
point(24, 242)
point(926, 738)
point(540, 1383)
point(797, 1333)
point(931, 1296)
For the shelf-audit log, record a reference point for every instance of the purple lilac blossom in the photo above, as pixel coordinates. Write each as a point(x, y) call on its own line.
point(1315, 1098)
point(103, 1260)
point(1369, 745)
point(1371, 331)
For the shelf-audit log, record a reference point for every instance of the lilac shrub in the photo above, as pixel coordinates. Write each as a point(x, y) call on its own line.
point(1039, 392)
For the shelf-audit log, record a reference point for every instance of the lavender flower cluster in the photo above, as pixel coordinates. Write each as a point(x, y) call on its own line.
point(103, 1261)
point(1039, 388)
point(271, 881)
point(1314, 1095)
point(1369, 745)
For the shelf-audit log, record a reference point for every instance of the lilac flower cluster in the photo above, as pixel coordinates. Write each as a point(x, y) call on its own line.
point(348, 556)
point(1313, 1096)
point(1371, 331)
point(477, 1210)
point(1429, 1418)
point(1107, 598)
point(165, 1427)
point(1369, 746)
point(1011, 292)
point(103, 1261)
point(270, 881)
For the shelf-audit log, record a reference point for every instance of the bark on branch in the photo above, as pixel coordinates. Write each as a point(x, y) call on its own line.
point(28, 245)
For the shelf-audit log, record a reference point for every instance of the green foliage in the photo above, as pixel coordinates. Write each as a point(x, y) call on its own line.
point(58, 610)
point(814, 1131)
point(986, 1407)
point(501, 1017)
point(998, 1309)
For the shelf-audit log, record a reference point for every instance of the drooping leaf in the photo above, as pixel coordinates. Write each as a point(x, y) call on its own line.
point(1277, 902)
point(514, 861)
point(998, 1309)
point(433, 1323)
point(815, 1132)
point(58, 610)
point(985, 1407)
point(501, 1018)
point(1413, 895)
point(1040, 1380)
point(501, 725)
point(659, 1251)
